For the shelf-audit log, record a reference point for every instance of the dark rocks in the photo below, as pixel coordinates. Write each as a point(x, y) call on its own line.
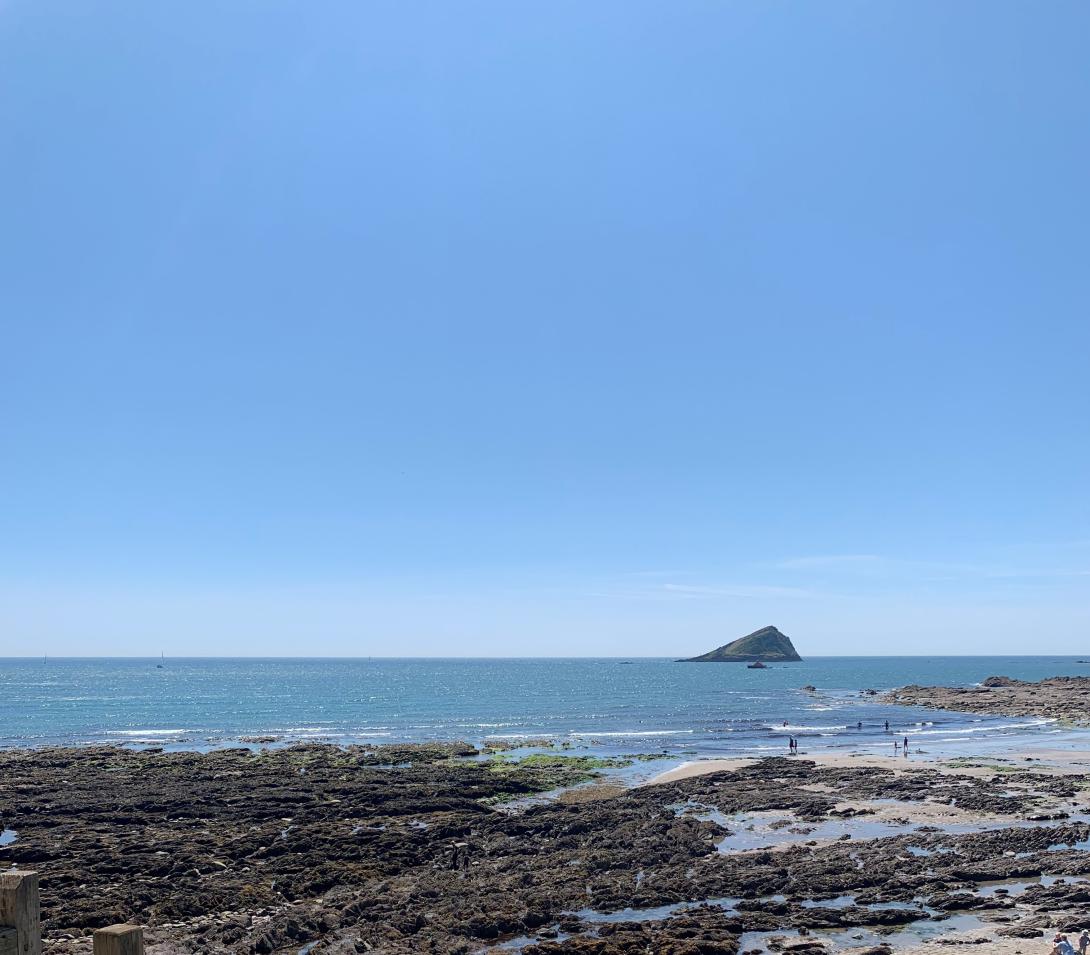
point(239, 851)
point(1061, 697)
point(1019, 931)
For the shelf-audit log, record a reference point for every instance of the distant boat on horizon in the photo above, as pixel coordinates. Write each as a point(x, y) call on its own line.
point(162, 656)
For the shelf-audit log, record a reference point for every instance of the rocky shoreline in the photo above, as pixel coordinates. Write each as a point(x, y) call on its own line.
point(408, 849)
point(1064, 698)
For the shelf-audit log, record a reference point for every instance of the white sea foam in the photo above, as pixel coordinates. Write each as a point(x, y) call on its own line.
point(147, 732)
point(802, 728)
point(984, 729)
point(638, 733)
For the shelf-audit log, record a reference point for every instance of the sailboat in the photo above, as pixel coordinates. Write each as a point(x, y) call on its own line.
point(162, 656)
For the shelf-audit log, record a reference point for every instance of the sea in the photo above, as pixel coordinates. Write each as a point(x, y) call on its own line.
point(636, 706)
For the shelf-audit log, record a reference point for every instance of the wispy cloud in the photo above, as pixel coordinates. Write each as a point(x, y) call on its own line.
point(706, 592)
point(657, 573)
point(832, 561)
point(737, 590)
point(874, 565)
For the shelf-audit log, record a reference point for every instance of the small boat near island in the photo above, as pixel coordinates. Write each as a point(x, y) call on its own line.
point(756, 665)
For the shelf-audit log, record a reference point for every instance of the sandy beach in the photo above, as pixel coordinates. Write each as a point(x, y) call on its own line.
point(1043, 759)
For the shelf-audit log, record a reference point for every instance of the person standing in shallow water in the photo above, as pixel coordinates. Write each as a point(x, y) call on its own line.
point(906, 745)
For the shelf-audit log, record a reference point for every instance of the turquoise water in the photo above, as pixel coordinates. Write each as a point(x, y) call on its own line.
point(608, 705)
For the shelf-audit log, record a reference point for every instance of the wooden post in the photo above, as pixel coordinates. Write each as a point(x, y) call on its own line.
point(19, 910)
point(119, 940)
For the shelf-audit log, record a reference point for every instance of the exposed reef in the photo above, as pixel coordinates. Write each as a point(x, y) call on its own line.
point(415, 849)
point(1060, 697)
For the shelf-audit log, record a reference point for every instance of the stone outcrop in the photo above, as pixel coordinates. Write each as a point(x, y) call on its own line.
point(399, 851)
point(1060, 697)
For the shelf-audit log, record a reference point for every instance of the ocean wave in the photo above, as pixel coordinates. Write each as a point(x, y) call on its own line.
point(995, 728)
point(637, 733)
point(801, 728)
point(147, 732)
point(486, 726)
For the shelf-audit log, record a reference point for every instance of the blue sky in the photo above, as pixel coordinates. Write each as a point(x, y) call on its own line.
point(543, 328)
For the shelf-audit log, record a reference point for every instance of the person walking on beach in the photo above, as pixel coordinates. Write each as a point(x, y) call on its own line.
point(906, 745)
point(1084, 941)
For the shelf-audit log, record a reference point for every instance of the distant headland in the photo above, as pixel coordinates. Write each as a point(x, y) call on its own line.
point(766, 645)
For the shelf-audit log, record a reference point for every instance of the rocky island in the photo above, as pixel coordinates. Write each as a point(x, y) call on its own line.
point(767, 645)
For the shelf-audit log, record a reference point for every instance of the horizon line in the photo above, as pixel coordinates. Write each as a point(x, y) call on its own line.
point(815, 656)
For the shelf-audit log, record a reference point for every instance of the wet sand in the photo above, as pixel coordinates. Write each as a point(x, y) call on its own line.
point(1043, 760)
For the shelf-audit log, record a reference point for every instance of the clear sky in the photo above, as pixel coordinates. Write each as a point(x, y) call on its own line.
point(397, 328)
